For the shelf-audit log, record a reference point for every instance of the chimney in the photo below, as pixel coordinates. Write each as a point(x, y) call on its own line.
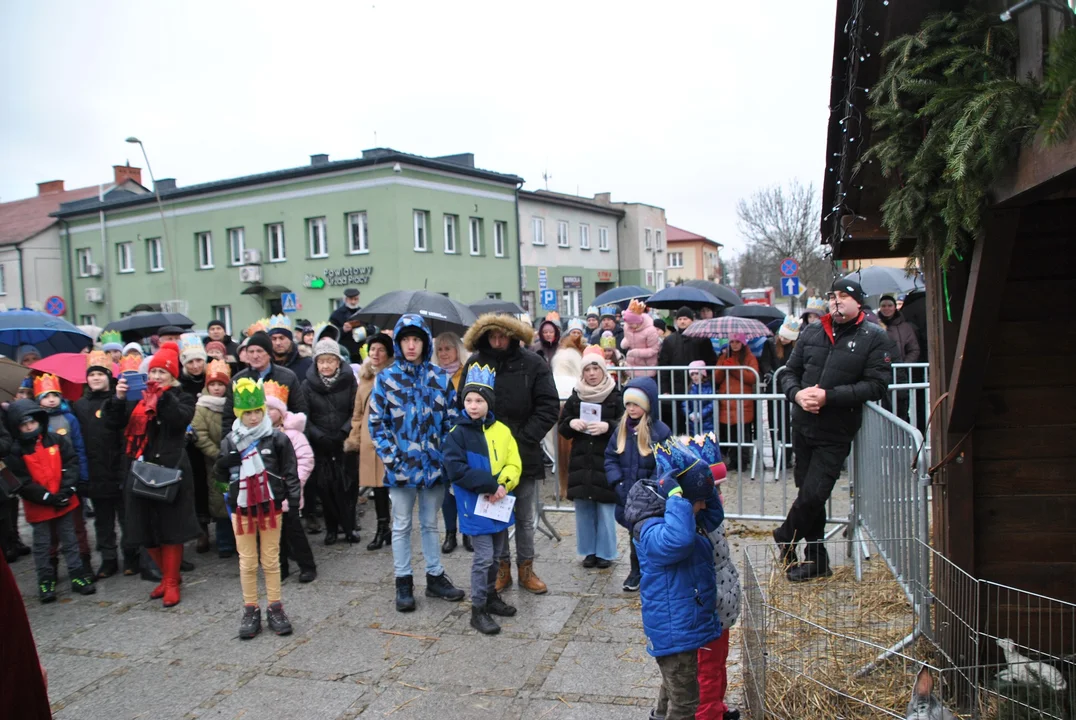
point(165, 184)
point(319, 159)
point(604, 198)
point(462, 159)
point(123, 173)
point(50, 187)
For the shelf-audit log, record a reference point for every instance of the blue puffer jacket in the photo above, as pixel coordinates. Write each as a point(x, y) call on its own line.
point(622, 470)
point(679, 583)
point(705, 409)
point(412, 409)
point(479, 456)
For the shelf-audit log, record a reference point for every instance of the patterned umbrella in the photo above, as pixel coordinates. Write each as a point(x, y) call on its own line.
point(726, 327)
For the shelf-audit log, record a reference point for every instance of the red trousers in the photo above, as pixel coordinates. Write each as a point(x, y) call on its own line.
point(713, 679)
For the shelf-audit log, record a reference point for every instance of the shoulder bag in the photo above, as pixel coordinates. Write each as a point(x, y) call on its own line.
point(155, 482)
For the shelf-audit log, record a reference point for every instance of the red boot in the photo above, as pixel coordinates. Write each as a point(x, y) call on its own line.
point(173, 557)
point(155, 554)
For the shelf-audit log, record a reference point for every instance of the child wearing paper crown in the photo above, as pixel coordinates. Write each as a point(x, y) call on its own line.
point(678, 588)
point(258, 463)
point(481, 458)
point(207, 438)
point(642, 340)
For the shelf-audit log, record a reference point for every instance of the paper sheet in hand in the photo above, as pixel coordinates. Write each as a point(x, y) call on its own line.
point(590, 412)
point(501, 510)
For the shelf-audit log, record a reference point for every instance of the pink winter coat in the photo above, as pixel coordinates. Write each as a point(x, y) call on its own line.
point(642, 345)
point(294, 426)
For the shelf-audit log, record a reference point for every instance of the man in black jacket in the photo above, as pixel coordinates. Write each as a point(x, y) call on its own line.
point(680, 350)
point(837, 365)
point(218, 333)
point(525, 400)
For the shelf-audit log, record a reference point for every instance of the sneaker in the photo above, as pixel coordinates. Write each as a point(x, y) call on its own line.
point(277, 620)
point(46, 590)
point(440, 586)
point(631, 582)
point(496, 606)
point(83, 585)
point(251, 624)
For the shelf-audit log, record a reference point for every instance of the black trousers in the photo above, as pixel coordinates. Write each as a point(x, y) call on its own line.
point(9, 524)
point(381, 504)
point(109, 512)
point(818, 465)
point(338, 485)
point(293, 542)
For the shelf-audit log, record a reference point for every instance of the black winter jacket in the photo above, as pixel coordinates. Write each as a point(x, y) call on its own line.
point(328, 421)
point(104, 446)
point(277, 455)
point(852, 362)
point(166, 442)
point(192, 385)
point(679, 349)
point(586, 467)
point(296, 402)
point(295, 362)
point(32, 491)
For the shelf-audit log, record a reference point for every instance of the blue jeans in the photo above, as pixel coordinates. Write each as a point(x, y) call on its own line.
point(403, 506)
point(595, 529)
point(448, 509)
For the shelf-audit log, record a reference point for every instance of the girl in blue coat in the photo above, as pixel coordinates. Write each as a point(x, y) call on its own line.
point(700, 413)
point(629, 456)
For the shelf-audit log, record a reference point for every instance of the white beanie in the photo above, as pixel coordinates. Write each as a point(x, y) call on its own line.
point(790, 329)
point(137, 347)
point(326, 346)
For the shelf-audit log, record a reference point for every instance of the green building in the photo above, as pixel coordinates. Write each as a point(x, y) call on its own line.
point(231, 249)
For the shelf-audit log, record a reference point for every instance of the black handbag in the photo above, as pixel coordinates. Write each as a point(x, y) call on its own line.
point(155, 482)
point(10, 485)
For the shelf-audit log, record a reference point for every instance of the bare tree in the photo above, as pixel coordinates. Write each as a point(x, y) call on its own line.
point(780, 222)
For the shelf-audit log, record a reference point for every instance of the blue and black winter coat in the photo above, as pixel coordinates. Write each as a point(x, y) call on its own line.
point(412, 410)
point(64, 423)
point(479, 456)
point(623, 470)
point(679, 582)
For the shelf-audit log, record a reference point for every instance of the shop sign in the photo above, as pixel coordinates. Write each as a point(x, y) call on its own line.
point(339, 277)
point(605, 276)
point(572, 282)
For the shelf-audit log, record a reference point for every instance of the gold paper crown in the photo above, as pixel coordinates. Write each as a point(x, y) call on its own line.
point(216, 369)
point(637, 306)
point(274, 389)
point(98, 359)
point(258, 326)
point(130, 363)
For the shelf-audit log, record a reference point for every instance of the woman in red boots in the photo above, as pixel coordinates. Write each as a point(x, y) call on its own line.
point(155, 427)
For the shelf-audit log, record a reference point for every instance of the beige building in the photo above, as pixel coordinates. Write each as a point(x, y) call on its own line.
point(691, 256)
point(642, 243)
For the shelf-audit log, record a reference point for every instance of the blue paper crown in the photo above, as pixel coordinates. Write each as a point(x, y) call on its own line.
point(481, 375)
point(609, 310)
point(279, 322)
point(689, 470)
point(706, 448)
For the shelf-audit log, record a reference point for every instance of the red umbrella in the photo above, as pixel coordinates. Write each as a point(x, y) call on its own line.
point(70, 368)
point(726, 327)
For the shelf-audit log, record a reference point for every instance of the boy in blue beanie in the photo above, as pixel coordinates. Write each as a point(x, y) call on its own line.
point(678, 587)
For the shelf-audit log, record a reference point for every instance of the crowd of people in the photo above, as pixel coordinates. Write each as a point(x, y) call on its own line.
point(268, 437)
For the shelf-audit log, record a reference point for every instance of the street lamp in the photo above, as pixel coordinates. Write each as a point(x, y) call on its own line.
point(160, 207)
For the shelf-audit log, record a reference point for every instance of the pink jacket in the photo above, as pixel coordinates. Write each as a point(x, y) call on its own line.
point(294, 425)
point(642, 345)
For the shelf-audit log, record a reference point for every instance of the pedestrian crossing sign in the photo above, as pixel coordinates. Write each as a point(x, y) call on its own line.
point(289, 302)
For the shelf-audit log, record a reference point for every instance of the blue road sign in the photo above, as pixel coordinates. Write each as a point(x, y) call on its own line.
point(543, 278)
point(790, 287)
point(289, 302)
point(789, 267)
point(55, 306)
point(549, 299)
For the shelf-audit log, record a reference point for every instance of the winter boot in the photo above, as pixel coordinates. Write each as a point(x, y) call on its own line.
point(467, 544)
point(382, 536)
point(172, 555)
point(529, 581)
point(46, 589)
point(157, 556)
point(786, 550)
point(815, 564)
point(83, 584)
point(108, 569)
point(496, 606)
point(202, 546)
point(449, 544)
point(482, 622)
point(277, 619)
point(313, 527)
point(251, 624)
point(504, 576)
point(440, 586)
point(130, 563)
point(405, 594)
point(87, 563)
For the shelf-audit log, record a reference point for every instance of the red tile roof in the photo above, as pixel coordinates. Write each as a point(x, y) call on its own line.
point(22, 219)
point(675, 234)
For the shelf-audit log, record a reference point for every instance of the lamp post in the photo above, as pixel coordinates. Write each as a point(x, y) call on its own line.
point(160, 207)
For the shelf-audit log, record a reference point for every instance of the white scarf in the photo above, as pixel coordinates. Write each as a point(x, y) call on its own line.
point(251, 467)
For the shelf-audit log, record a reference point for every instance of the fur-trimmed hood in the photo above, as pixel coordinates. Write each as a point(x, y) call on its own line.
point(475, 339)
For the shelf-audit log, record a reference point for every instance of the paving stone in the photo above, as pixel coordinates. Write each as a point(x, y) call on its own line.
point(279, 697)
point(592, 668)
point(538, 615)
point(54, 622)
point(68, 673)
point(350, 651)
point(560, 710)
point(614, 619)
point(403, 702)
point(378, 609)
point(136, 632)
point(492, 663)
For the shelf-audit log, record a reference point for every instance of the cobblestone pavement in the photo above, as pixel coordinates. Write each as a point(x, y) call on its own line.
point(577, 652)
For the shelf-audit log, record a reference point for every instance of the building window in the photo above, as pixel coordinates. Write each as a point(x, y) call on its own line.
point(660, 280)
point(236, 245)
point(529, 303)
point(85, 259)
point(3, 279)
point(421, 241)
point(538, 228)
point(124, 257)
point(603, 239)
point(451, 227)
point(358, 237)
point(657, 239)
point(650, 278)
point(204, 242)
point(319, 243)
point(274, 236)
point(224, 314)
point(675, 259)
point(87, 319)
point(476, 236)
point(500, 238)
point(646, 239)
point(154, 255)
point(562, 233)
point(571, 301)
point(584, 237)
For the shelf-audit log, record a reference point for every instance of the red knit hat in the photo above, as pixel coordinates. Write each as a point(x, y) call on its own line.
point(167, 358)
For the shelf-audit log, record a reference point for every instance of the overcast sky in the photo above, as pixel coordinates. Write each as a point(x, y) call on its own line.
point(685, 105)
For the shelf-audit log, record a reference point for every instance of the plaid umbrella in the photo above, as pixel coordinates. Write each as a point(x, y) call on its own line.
point(726, 327)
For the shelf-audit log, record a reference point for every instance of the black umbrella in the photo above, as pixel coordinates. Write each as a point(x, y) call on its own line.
point(722, 292)
point(140, 325)
point(50, 335)
point(679, 295)
point(762, 313)
point(495, 305)
point(621, 296)
point(441, 313)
